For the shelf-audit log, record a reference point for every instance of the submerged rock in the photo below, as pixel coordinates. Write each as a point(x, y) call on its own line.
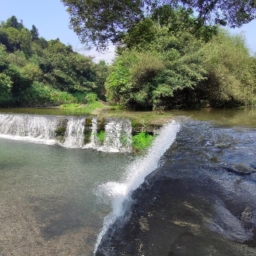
point(190, 205)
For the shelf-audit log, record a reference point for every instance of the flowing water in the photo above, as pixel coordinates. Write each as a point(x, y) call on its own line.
point(119, 193)
point(60, 199)
point(48, 204)
point(67, 131)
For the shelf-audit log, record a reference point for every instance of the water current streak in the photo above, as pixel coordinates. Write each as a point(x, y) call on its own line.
point(119, 193)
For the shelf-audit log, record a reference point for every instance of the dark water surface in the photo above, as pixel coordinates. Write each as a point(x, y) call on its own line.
point(48, 204)
point(200, 202)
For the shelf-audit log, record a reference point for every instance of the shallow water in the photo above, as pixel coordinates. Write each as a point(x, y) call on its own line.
point(48, 202)
point(231, 117)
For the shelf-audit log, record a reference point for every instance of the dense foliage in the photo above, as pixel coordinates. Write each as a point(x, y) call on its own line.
point(170, 62)
point(36, 72)
point(142, 141)
point(170, 59)
point(231, 72)
point(99, 22)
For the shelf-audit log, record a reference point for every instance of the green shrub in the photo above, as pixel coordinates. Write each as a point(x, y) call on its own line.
point(80, 96)
point(101, 136)
point(142, 141)
point(91, 97)
point(42, 94)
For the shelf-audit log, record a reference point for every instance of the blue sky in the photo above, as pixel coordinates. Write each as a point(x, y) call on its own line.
point(52, 21)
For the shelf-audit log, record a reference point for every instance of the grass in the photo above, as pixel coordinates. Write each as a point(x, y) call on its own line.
point(84, 109)
point(138, 118)
point(69, 105)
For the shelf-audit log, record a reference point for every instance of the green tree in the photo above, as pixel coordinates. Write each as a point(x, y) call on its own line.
point(25, 41)
point(3, 58)
point(5, 89)
point(34, 33)
point(101, 73)
point(231, 78)
point(3, 37)
point(99, 22)
point(17, 58)
point(35, 71)
point(153, 75)
point(13, 22)
point(13, 35)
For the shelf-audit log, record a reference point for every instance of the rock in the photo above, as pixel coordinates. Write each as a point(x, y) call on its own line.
point(190, 206)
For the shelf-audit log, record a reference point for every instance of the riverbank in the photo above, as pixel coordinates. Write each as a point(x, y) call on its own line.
point(227, 117)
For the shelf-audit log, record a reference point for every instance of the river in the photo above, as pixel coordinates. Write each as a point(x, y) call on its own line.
point(48, 203)
point(51, 198)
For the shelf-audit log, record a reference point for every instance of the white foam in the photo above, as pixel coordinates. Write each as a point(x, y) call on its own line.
point(74, 136)
point(135, 174)
point(29, 139)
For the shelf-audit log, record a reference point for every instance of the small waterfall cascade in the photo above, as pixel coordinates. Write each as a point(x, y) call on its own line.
point(28, 127)
point(118, 136)
point(69, 131)
point(119, 192)
point(94, 141)
point(74, 135)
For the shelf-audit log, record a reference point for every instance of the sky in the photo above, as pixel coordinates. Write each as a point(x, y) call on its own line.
point(52, 21)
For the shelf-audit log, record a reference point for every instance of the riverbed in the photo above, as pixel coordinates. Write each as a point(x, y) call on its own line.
point(48, 202)
point(50, 199)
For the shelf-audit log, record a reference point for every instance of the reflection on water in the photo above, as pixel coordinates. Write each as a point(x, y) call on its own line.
point(230, 117)
point(48, 204)
point(241, 117)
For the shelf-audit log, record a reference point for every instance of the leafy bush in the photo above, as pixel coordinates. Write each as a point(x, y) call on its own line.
point(91, 97)
point(40, 94)
point(101, 136)
point(5, 90)
point(142, 141)
point(80, 96)
point(151, 78)
point(231, 75)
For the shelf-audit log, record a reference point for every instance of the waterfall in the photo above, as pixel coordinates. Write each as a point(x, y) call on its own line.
point(39, 129)
point(69, 132)
point(118, 136)
point(74, 136)
point(94, 143)
point(119, 193)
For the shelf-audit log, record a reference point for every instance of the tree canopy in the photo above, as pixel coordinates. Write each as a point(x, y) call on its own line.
point(99, 22)
point(175, 62)
point(34, 71)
